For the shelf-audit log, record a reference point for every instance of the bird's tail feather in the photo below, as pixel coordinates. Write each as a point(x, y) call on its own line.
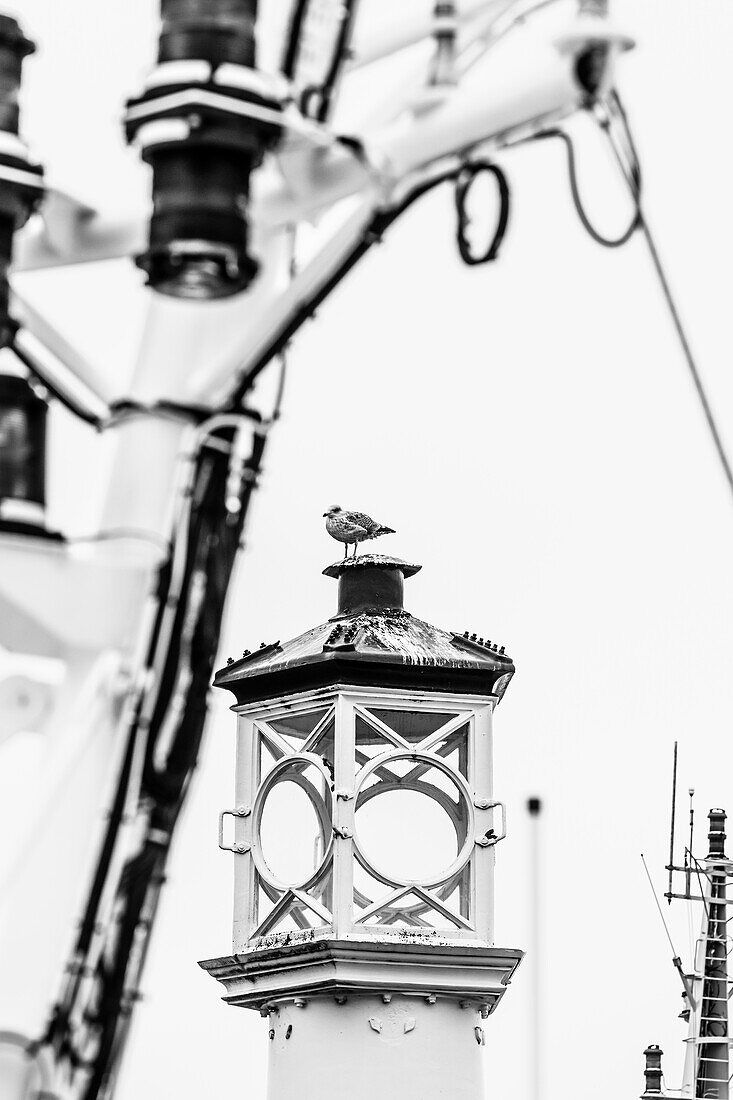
point(384, 531)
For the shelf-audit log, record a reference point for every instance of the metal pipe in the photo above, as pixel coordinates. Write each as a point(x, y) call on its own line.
point(534, 808)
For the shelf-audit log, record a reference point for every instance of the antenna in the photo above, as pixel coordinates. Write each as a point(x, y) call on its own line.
point(689, 857)
point(671, 829)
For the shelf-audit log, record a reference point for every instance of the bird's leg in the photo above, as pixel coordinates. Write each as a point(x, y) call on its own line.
point(356, 548)
point(346, 550)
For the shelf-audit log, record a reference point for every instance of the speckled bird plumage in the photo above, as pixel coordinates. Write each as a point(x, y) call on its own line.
point(351, 528)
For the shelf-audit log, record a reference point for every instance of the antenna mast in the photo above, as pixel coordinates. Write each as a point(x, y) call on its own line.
point(671, 829)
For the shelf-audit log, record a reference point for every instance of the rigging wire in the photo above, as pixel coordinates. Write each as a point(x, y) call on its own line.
point(616, 112)
point(628, 161)
point(676, 960)
point(659, 907)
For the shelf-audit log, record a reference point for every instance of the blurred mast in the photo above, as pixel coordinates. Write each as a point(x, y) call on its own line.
point(534, 808)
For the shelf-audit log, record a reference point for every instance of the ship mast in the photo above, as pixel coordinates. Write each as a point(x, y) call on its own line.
point(707, 1065)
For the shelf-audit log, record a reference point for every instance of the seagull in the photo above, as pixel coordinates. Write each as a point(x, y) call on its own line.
point(352, 527)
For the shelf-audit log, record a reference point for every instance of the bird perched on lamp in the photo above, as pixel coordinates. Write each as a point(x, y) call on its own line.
point(351, 528)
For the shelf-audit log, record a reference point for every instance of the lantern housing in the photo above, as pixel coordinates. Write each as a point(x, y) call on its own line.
point(363, 829)
point(376, 726)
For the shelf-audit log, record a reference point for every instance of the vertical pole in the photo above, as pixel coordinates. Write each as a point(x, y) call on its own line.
point(689, 857)
point(343, 816)
point(534, 808)
point(246, 783)
point(483, 859)
point(671, 829)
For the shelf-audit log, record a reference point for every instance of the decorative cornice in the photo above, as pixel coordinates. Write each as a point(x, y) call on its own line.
point(465, 972)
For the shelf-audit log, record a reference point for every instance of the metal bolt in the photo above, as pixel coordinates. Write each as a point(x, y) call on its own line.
point(386, 997)
point(271, 1033)
point(480, 1037)
point(289, 1031)
point(430, 999)
point(230, 660)
point(340, 1000)
point(243, 811)
point(242, 848)
point(300, 1002)
point(481, 803)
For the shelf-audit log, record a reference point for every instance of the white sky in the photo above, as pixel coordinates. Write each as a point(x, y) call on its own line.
point(530, 430)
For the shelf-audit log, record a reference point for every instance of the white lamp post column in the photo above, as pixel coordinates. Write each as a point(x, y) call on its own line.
point(364, 829)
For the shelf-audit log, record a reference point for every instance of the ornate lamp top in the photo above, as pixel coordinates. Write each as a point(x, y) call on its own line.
point(373, 640)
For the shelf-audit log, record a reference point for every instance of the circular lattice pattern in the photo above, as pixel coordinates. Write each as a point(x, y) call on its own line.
point(296, 769)
point(456, 803)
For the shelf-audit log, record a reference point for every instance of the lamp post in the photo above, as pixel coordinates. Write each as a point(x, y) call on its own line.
point(364, 930)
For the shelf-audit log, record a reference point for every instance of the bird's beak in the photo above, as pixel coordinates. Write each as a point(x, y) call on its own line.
point(325, 514)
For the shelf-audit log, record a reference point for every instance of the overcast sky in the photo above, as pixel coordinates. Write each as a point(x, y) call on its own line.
point(531, 432)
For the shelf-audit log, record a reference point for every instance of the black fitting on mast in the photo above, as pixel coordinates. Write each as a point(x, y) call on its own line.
point(203, 124)
point(21, 180)
point(653, 1071)
point(716, 835)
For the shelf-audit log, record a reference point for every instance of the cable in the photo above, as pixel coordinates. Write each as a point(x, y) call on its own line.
point(599, 238)
point(464, 182)
point(616, 106)
point(373, 232)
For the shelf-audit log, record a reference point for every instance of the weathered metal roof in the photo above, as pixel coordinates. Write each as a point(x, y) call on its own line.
point(372, 639)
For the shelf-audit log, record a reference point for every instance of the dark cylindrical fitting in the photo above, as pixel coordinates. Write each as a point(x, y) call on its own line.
point(14, 47)
point(203, 152)
point(198, 232)
point(653, 1071)
point(371, 586)
point(22, 442)
point(19, 194)
point(218, 31)
point(716, 835)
